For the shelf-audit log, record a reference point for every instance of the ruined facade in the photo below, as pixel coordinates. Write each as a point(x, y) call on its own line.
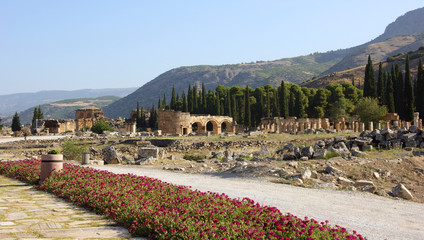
point(86, 117)
point(59, 126)
point(292, 124)
point(176, 122)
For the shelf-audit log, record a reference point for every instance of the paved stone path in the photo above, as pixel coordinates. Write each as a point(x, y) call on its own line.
point(26, 213)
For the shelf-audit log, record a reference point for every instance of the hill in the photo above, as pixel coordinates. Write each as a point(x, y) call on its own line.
point(295, 70)
point(64, 109)
point(11, 103)
point(357, 74)
point(403, 35)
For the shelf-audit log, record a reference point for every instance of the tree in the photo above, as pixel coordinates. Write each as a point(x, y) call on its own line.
point(399, 90)
point(368, 110)
point(153, 120)
point(184, 99)
point(390, 101)
point(369, 80)
point(247, 114)
point(319, 103)
point(100, 126)
point(408, 93)
point(419, 98)
point(190, 99)
point(380, 86)
point(1, 125)
point(337, 109)
point(204, 102)
point(284, 108)
point(40, 113)
point(173, 103)
point(16, 123)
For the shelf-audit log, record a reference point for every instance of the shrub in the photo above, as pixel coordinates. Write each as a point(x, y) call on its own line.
point(72, 150)
point(368, 110)
point(100, 126)
point(53, 151)
point(194, 156)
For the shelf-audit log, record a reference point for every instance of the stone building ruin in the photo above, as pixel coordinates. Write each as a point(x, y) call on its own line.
point(86, 117)
point(292, 124)
point(184, 123)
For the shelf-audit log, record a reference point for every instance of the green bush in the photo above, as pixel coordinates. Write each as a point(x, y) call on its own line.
point(194, 156)
point(53, 151)
point(72, 150)
point(100, 126)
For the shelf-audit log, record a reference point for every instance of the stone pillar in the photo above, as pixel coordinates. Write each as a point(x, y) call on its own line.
point(361, 127)
point(408, 124)
point(337, 126)
point(378, 125)
point(387, 124)
point(371, 126)
point(416, 118)
point(396, 123)
point(420, 124)
point(85, 158)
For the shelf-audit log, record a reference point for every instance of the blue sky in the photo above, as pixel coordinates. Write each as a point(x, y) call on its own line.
point(68, 45)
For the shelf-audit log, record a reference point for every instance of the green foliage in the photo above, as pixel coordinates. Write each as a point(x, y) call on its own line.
point(368, 110)
point(72, 150)
point(408, 94)
point(337, 109)
point(16, 123)
point(100, 126)
point(419, 98)
point(370, 89)
point(194, 156)
point(1, 125)
point(53, 151)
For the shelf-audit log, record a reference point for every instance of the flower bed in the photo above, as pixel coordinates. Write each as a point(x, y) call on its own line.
point(159, 210)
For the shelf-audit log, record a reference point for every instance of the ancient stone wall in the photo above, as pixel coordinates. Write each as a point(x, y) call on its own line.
point(86, 117)
point(292, 124)
point(176, 122)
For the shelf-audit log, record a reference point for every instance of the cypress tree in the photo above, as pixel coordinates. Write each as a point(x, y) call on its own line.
point(247, 115)
point(275, 107)
point(195, 102)
point(390, 101)
point(40, 113)
point(185, 106)
point(173, 103)
point(419, 97)
point(138, 116)
point(190, 99)
point(380, 85)
point(369, 80)
point(204, 101)
point(164, 106)
point(218, 104)
point(409, 93)
point(229, 110)
point(268, 104)
point(234, 108)
point(159, 103)
point(16, 123)
point(34, 115)
point(399, 91)
point(284, 110)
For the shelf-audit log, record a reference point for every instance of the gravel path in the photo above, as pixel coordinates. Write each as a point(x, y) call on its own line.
point(370, 215)
point(14, 139)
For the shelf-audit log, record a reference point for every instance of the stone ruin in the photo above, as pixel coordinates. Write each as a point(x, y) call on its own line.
point(310, 125)
point(183, 123)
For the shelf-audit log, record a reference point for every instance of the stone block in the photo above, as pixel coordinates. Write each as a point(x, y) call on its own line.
point(320, 153)
point(396, 144)
point(308, 152)
point(365, 185)
point(386, 145)
point(146, 152)
point(401, 191)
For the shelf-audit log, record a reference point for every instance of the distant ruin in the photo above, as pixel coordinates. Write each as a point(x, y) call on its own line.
point(184, 123)
point(87, 117)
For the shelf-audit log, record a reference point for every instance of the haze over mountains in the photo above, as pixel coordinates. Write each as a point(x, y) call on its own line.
point(403, 35)
point(11, 103)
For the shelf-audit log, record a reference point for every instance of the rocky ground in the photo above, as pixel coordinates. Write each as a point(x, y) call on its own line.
point(345, 162)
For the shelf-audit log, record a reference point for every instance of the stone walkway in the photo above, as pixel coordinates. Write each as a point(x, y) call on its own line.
point(26, 213)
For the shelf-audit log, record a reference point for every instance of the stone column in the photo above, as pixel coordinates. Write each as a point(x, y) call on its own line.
point(416, 118)
point(361, 127)
point(371, 126)
point(378, 125)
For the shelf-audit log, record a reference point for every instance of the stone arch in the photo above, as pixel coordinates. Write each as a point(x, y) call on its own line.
point(196, 127)
point(212, 126)
point(226, 126)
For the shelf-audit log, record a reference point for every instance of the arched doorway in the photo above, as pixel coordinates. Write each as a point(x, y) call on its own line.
point(196, 127)
point(226, 127)
point(212, 126)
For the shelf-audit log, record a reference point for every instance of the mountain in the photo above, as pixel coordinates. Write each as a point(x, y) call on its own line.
point(357, 74)
point(403, 35)
point(296, 70)
point(64, 109)
point(9, 104)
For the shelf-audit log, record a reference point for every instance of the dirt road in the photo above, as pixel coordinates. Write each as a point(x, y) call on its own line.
point(373, 216)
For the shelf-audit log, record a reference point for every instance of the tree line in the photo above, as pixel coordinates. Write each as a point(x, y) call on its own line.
point(390, 91)
point(398, 92)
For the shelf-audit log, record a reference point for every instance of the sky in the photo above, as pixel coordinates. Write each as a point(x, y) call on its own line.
point(73, 44)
